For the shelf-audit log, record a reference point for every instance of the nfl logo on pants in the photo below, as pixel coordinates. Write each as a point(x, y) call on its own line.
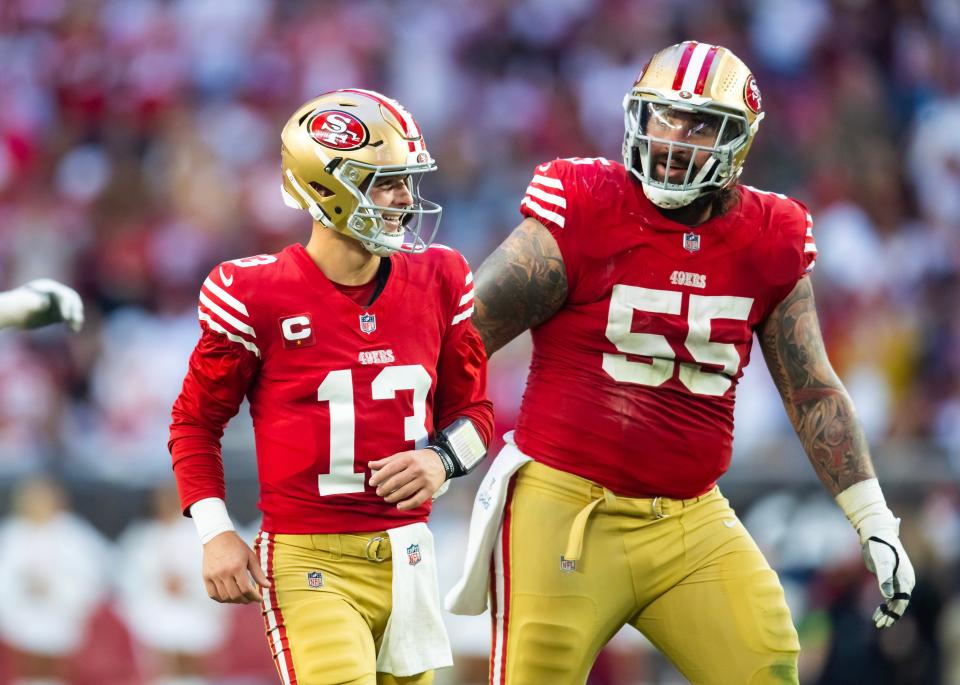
point(315, 580)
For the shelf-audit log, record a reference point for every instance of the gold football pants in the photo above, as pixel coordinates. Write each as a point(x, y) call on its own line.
point(575, 563)
point(328, 607)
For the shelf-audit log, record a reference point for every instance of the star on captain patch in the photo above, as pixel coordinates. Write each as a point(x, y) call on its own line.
point(691, 242)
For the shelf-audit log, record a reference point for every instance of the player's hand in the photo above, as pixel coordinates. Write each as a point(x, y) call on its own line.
point(231, 570)
point(886, 558)
point(61, 304)
point(408, 479)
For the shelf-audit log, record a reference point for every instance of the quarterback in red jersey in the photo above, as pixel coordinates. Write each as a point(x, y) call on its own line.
point(366, 383)
point(644, 284)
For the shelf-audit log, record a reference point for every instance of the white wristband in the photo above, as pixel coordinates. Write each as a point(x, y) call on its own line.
point(211, 518)
point(866, 509)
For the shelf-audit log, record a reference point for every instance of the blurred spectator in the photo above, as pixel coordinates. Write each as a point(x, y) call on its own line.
point(52, 576)
point(162, 596)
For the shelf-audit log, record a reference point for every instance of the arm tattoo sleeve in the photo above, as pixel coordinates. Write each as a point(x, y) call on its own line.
point(816, 401)
point(522, 284)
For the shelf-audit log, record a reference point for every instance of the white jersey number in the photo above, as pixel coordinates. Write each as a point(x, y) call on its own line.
point(337, 389)
point(702, 310)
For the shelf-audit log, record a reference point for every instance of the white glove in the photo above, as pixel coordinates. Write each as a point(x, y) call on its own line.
point(865, 508)
point(886, 558)
point(63, 304)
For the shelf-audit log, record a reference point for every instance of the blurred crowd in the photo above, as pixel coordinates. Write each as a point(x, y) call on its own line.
point(139, 146)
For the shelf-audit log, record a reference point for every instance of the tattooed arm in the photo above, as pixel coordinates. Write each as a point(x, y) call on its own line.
point(522, 284)
point(816, 401)
point(824, 418)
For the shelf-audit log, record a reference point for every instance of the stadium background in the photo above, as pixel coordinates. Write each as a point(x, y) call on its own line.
point(139, 146)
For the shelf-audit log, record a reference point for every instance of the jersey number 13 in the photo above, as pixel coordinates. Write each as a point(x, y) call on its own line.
point(337, 389)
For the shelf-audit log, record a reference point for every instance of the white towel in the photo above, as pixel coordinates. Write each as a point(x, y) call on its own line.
point(415, 639)
point(469, 596)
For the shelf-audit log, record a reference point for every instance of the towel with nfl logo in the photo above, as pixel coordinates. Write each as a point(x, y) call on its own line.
point(469, 596)
point(415, 639)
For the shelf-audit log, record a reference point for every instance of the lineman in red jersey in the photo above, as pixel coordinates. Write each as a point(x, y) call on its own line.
point(366, 382)
point(643, 285)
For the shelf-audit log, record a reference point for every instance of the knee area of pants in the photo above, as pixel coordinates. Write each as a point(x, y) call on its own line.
point(776, 674)
point(330, 658)
point(548, 647)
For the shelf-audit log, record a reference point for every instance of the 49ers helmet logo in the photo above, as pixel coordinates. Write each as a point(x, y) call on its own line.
point(338, 130)
point(751, 94)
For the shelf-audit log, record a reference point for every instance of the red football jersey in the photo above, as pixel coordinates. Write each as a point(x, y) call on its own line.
point(632, 382)
point(332, 385)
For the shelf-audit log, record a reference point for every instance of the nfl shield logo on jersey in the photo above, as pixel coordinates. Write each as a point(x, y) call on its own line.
point(691, 242)
point(413, 554)
point(368, 323)
point(315, 580)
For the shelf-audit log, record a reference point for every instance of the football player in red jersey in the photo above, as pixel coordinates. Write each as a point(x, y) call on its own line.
point(643, 285)
point(366, 383)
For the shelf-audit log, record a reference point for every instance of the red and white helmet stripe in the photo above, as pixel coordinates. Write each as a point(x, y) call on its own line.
point(410, 128)
point(694, 67)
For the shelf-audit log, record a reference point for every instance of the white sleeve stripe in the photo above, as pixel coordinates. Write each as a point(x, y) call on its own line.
point(462, 316)
point(226, 297)
point(226, 316)
point(220, 329)
point(547, 181)
point(809, 247)
point(215, 318)
point(543, 213)
point(469, 278)
point(810, 231)
point(547, 197)
point(466, 297)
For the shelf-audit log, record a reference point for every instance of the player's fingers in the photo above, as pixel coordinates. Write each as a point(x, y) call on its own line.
point(385, 472)
point(418, 499)
point(221, 593)
point(383, 463)
point(253, 566)
point(394, 483)
point(403, 492)
point(211, 590)
point(235, 590)
point(889, 612)
point(74, 314)
point(248, 590)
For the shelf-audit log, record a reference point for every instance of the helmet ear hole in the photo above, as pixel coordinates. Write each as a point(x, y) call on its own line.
point(322, 191)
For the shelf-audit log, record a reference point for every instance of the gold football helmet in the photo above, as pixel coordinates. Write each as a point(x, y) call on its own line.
point(690, 119)
point(336, 147)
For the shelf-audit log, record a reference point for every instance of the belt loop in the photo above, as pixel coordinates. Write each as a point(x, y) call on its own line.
point(656, 506)
point(374, 553)
point(610, 498)
point(328, 542)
